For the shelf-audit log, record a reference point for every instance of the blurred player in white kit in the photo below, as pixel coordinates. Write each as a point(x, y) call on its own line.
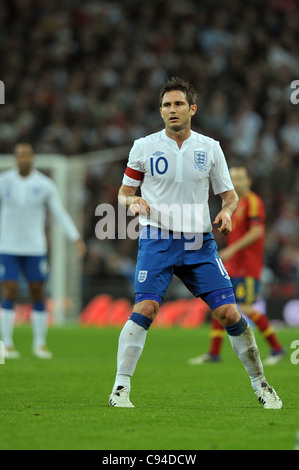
point(25, 196)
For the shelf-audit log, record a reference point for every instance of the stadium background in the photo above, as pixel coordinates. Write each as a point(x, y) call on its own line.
point(83, 77)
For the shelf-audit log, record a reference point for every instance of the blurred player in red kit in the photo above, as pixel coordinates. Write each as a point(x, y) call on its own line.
point(243, 258)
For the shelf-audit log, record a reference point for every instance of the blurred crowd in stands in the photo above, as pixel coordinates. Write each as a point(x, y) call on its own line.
point(82, 76)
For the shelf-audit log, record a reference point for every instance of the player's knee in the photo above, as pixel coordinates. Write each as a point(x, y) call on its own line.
point(148, 308)
point(37, 291)
point(10, 289)
point(227, 315)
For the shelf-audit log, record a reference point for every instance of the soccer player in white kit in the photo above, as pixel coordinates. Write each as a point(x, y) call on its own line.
point(25, 196)
point(174, 167)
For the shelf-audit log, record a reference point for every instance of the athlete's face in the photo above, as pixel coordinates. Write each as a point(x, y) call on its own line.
point(176, 111)
point(24, 158)
point(240, 180)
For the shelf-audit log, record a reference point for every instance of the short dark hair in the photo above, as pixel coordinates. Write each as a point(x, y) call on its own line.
point(26, 144)
point(177, 83)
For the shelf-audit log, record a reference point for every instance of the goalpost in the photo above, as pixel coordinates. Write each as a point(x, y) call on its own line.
point(66, 270)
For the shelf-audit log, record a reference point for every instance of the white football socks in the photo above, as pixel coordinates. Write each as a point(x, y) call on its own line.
point(40, 327)
point(7, 326)
point(132, 340)
point(130, 346)
point(39, 323)
point(246, 349)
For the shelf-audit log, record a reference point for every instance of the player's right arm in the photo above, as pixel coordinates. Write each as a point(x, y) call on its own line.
point(132, 179)
point(128, 199)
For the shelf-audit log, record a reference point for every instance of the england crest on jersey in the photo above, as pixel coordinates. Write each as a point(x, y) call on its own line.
point(201, 160)
point(142, 275)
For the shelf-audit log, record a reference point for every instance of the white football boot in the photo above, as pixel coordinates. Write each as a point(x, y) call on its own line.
point(11, 353)
point(120, 398)
point(269, 398)
point(42, 352)
point(203, 359)
point(274, 358)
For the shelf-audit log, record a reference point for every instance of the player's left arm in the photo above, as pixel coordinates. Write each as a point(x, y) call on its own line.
point(66, 222)
point(222, 185)
point(229, 206)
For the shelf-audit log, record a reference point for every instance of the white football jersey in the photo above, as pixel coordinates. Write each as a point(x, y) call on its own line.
point(175, 181)
point(23, 207)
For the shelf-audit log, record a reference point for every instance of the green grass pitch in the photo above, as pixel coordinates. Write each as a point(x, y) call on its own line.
point(62, 403)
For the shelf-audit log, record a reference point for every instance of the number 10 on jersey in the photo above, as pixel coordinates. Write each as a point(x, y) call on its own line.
point(160, 166)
